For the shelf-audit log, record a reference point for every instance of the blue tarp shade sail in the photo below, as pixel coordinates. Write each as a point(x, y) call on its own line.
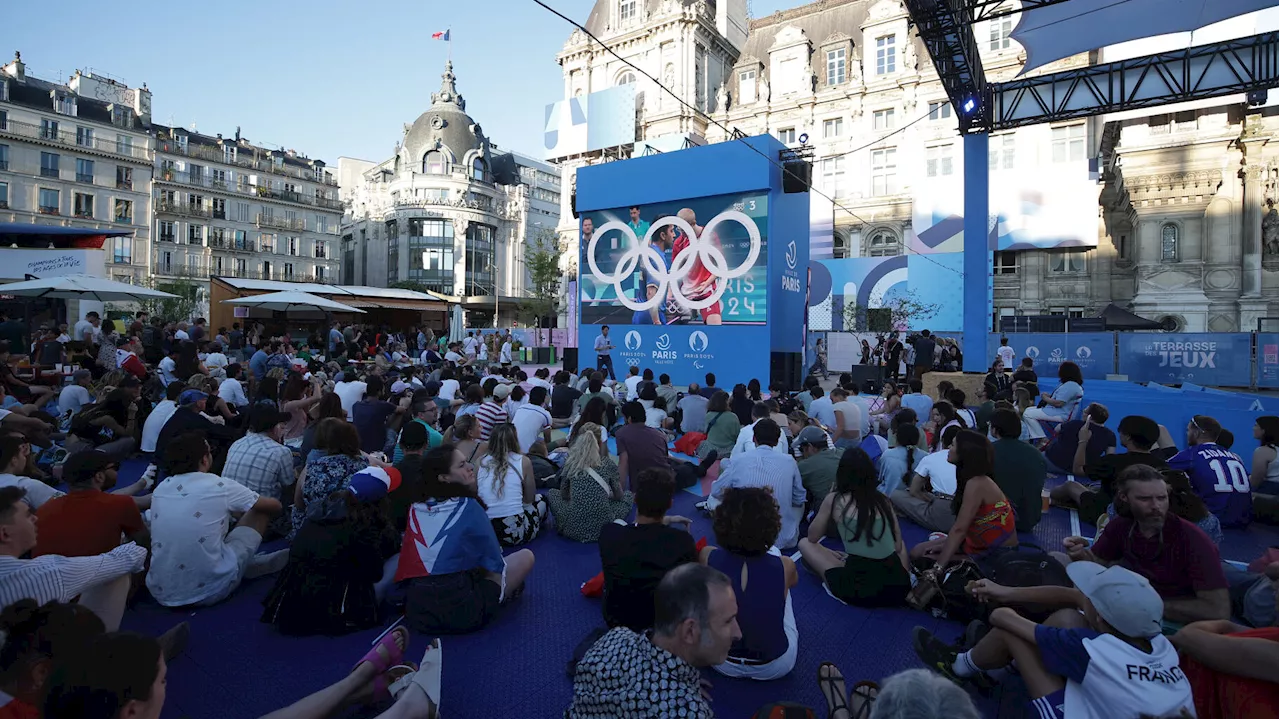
point(1054, 32)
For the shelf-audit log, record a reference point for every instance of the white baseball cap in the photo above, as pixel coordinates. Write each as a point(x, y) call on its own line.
point(1125, 599)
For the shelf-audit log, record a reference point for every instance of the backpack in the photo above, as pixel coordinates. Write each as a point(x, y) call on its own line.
point(150, 337)
point(1025, 565)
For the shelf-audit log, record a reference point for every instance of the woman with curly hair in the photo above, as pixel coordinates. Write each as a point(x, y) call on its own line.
point(507, 487)
point(875, 571)
point(590, 494)
point(747, 524)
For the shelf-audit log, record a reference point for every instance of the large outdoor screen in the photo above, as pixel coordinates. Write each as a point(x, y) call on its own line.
point(689, 262)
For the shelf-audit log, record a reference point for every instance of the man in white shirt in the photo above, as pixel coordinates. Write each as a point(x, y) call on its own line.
point(54, 578)
point(86, 329)
point(746, 436)
point(927, 502)
point(349, 390)
point(448, 385)
point(848, 427)
point(231, 390)
point(194, 559)
point(453, 356)
point(603, 346)
point(169, 366)
point(471, 346)
point(532, 420)
point(764, 466)
point(540, 378)
point(75, 395)
point(1005, 353)
point(632, 382)
point(161, 414)
point(14, 453)
point(180, 334)
point(505, 356)
point(216, 361)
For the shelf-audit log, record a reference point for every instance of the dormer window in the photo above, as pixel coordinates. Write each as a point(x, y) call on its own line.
point(4, 91)
point(478, 170)
point(64, 104)
point(433, 163)
point(228, 153)
point(121, 116)
point(182, 142)
point(626, 11)
point(746, 87)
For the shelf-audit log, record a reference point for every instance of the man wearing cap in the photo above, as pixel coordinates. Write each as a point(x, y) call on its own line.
point(194, 560)
point(258, 460)
point(1107, 659)
point(190, 416)
point(492, 411)
point(89, 519)
point(127, 359)
point(818, 463)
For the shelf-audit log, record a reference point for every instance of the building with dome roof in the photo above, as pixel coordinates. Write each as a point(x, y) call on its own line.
point(447, 211)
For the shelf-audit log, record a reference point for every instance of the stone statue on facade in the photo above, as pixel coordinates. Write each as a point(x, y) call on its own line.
point(1271, 232)
point(722, 98)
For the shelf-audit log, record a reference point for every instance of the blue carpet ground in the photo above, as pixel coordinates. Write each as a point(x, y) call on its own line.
point(236, 667)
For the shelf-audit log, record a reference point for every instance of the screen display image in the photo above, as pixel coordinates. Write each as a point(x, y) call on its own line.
point(687, 262)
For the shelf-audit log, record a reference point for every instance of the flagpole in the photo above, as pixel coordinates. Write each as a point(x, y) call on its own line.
point(449, 43)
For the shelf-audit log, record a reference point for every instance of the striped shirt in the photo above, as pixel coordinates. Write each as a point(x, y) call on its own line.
point(489, 414)
point(54, 578)
point(765, 467)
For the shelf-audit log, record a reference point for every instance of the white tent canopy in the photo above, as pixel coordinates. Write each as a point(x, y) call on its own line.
point(1059, 31)
point(82, 287)
point(290, 301)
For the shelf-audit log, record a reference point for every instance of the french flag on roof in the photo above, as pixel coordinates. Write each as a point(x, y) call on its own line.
point(440, 36)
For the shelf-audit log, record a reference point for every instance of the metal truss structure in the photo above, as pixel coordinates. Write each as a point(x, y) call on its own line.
point(1244, 65)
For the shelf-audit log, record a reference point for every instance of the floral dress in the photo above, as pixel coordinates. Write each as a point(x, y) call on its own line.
point(325, 475)
point(589, 506)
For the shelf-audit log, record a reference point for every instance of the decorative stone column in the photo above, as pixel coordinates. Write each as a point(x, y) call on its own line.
point(1251, 261)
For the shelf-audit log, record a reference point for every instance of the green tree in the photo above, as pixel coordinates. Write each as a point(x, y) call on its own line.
point(175, 309)
point(542, 260)
point(898, 312)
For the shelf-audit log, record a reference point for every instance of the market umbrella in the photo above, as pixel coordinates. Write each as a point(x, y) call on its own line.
point(456, 322)
point(1115, 317)
point(291, 300)
point(82, 287)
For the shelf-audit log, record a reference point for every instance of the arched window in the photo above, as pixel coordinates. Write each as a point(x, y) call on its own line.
point(626, 78)
point(477, 169)
point(1169, 243)
point(883, 243)
point(433, 163)
point(839, 245)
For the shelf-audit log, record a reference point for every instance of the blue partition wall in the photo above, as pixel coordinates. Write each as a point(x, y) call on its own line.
point(1092, 351)
point(750, 241)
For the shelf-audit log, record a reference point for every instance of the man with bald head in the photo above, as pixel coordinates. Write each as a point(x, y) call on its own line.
point(699, 283)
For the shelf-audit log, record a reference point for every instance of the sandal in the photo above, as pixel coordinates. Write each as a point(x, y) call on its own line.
point(866, 690)
point(428, 676)
point(393, 652)
point(831, 683)
point(393, 682)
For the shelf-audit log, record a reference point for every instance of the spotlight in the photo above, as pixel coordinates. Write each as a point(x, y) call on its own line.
point(968, 105)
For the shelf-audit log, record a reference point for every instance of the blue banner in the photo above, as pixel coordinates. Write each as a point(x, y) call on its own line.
point(1217, 359)
point(686, 352)
point(1268, 360)
point(1092, 351)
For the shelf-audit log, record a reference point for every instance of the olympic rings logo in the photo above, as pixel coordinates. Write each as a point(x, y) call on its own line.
point(700, 248)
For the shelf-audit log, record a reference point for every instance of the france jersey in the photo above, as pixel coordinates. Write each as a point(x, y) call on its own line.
point(1221, 479)
point(1108, 678)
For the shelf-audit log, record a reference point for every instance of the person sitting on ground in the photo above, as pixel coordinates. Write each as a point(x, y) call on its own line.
point(1025, 374)
point(15, 453)
point(75, 395)
point(231, 388)
point(986, 406)
point(797, 422)
point(926, 498)
point(155, 421)
point(457, 580)
point(331, 583)
point(1232, 669)
point(957, 398)
point(632, 674)
point(668, 392)
point(1264, 477)
point(1080, 441)
point(740, 403)
point(590, 494)
point(110, 425)
point(898, 465)
point(532, 420)
point(101, 581)
point(709, 389)
point(414, 442)
point(258, 460)
point(1019, 470)
point(746, 525)
point(1179, 560)
point(722, 427)
point(999, 380)
point(190, 417)
point(876, 570)
point(296, 400)
point(944, 415)
point(371, 413)
point(891, 402)
point(425, 413)
point(323, 475)
point(906, 416)
point(848, 419)
point(693, 410)
point(596, 388)
point(1061, 404)
point(464, 435)
point(817, 464)
point(507, 487)
point(89, 519)
point(194, 559)
point(745, 442)
point(634, 557)
point(563, 397)
point(912, 694)
point(765, 467)
point(1138, 436)
point(1217, 474)
point(917, 400)
point(39, 638)
point(822, 409)
point(632, 382)
point(1109, 661)
point(330, 406)
point(984, 517)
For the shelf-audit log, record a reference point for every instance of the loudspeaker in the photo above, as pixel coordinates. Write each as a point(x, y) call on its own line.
point(867, 376)
point(796, 175)
point(570, 359)
point(787, 368)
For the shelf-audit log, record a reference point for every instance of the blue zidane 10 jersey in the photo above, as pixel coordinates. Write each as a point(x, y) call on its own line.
point(1220, 478)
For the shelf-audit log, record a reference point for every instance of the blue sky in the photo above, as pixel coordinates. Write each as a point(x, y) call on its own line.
point(324, 77)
